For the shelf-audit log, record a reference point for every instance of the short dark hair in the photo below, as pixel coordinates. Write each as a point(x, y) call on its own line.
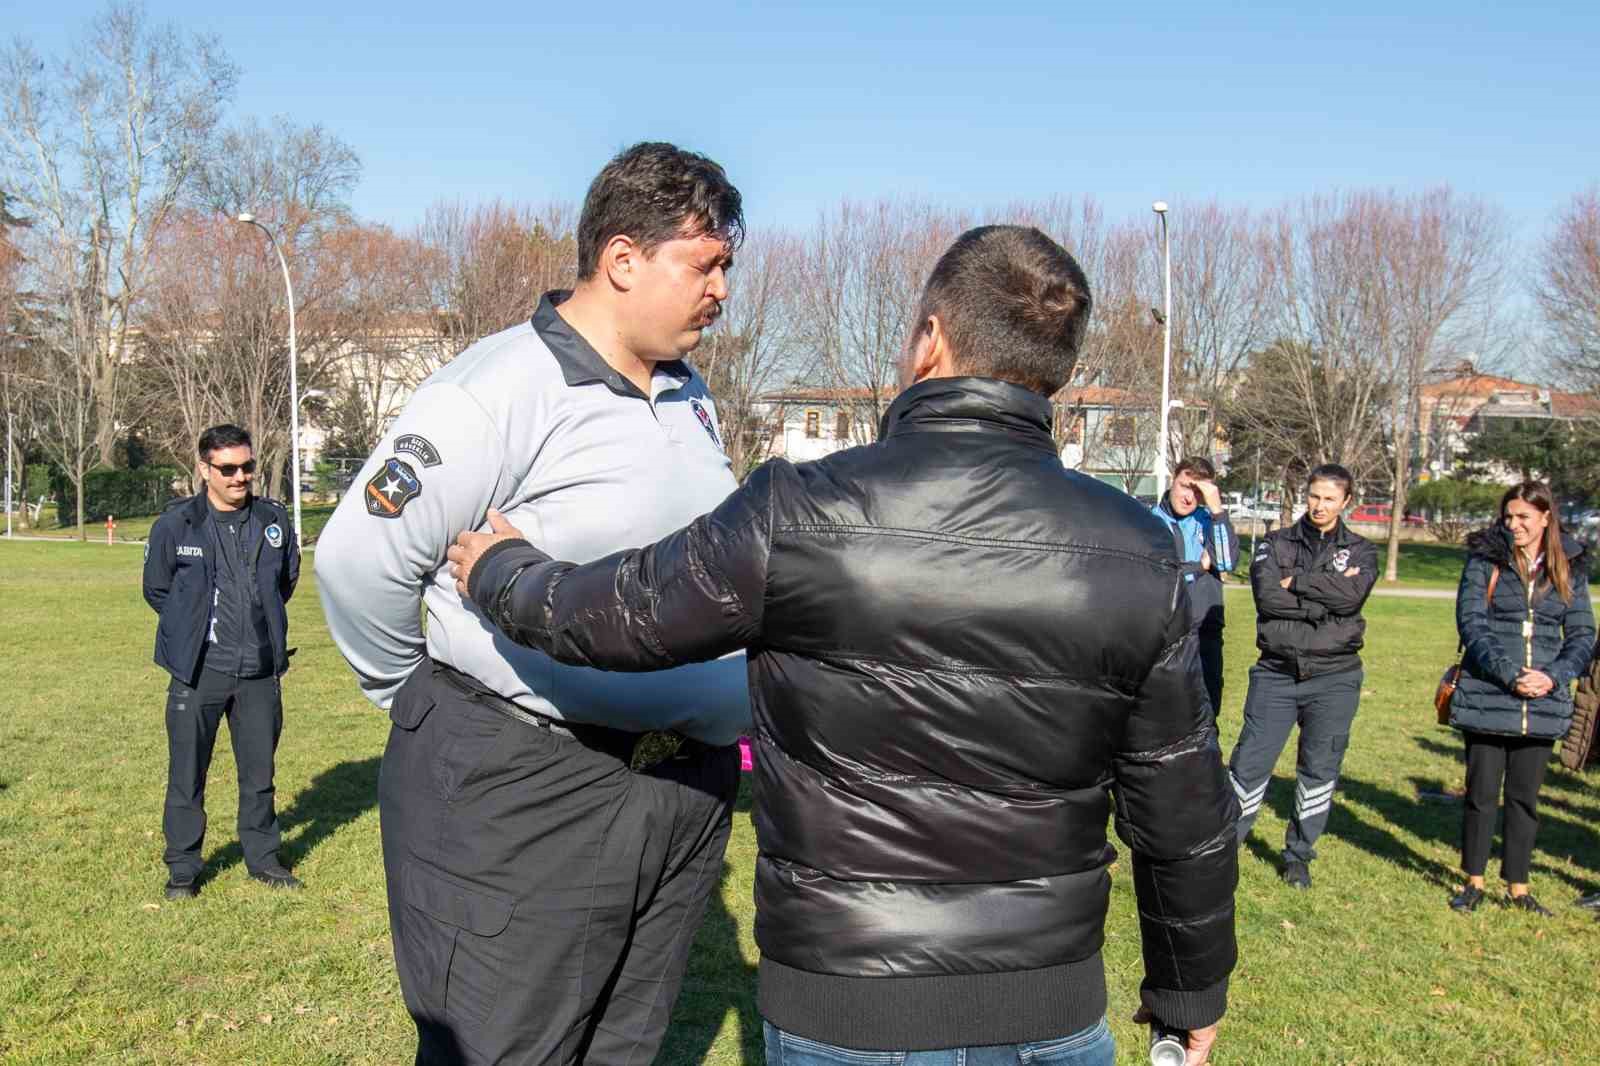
point(1335, 473)
point(1014, 304)
point(1199, 466)
point(226, 435)
point(652, 193)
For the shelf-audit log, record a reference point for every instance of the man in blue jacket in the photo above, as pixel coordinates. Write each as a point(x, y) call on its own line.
point(218, 569)
point(1210, 548)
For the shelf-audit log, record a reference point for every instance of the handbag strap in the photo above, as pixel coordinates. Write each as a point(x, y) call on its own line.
point(1488, 598)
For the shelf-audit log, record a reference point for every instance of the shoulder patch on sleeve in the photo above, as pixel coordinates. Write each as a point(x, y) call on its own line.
point(391, 488)
point(419, 448)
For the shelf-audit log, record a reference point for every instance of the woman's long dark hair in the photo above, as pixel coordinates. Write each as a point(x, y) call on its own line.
point(1539, 495)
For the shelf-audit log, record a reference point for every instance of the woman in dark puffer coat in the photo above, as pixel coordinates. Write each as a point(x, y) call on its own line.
point(1524, 646)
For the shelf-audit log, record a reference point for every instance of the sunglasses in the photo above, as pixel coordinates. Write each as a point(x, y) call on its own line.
point(230, 469)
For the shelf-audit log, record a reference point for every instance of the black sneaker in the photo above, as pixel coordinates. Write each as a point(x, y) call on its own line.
point(1297, 875)
point(276, 877)
point(1526, 902)
point(1466, 901)
point(184, 889)
point(1591, 902)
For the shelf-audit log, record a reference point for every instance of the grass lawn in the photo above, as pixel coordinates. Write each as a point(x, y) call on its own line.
point(1369, 967)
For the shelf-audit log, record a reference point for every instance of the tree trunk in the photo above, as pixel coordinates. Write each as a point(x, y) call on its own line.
point(83, 533)
point(1402, 478)
point(273, 468)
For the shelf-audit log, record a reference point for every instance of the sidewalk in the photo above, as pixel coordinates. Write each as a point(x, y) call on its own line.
point(1402, 592)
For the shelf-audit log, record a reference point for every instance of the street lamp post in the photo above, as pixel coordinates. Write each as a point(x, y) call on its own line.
point(294, 376)
point(1160, 208)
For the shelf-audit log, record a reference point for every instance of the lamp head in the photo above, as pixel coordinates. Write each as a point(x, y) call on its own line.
point(245, 216)
point(1159, 207)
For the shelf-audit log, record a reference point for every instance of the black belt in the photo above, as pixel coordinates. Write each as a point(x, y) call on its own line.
point(640, 751)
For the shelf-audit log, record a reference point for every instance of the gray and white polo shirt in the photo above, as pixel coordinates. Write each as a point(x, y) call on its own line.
point(534, 423)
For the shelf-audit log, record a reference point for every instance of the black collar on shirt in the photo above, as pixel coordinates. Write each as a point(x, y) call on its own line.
point(580, 364)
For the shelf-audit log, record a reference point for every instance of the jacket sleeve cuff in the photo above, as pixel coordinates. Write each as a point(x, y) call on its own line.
point(495, 567)
point(1191, 1009)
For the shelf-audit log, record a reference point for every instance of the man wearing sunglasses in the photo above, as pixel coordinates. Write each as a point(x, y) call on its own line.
point(218, 569)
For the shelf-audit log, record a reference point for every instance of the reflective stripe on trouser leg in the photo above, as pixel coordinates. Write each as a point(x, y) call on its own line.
point(1269, 715)
point(1327, 710)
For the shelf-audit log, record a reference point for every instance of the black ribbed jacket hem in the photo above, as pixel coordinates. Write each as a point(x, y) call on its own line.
point(1194, 1009)
point(929, 1013)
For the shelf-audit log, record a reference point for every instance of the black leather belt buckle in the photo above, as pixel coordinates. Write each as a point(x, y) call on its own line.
point(654, 748)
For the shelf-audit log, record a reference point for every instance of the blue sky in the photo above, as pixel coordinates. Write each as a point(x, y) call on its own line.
point(970, 104)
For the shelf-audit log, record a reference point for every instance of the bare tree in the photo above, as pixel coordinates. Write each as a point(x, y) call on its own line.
point(384, 329)
point(487, 265)
point(291, 177)
point(216, 322)
point(1221, 279)
point(98, 150)
point(1334, 323)
point(857, 288)
point(1568, 288)
point(752, 348)
point(1439, 264)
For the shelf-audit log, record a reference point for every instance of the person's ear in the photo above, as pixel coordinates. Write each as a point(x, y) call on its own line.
point(932, 357)
point(619, 261)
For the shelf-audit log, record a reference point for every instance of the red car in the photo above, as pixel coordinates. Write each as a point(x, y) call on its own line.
point(1378, 514)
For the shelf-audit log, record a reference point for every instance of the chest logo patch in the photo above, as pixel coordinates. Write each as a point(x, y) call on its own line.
point(419, 448)
point(192, 549)
point(1341, 560)
point(704, 416)
point(274, 535)
point(391, 488)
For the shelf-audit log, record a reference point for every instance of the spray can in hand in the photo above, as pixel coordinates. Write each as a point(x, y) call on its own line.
point(1168, 1047)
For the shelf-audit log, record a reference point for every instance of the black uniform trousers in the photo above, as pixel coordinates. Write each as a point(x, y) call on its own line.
point(543, 898)
point(1324, 707)
point(254, 709)
point(1520, 762)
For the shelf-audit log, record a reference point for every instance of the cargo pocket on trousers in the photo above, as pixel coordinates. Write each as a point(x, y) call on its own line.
point(411, 704)
point(462, 970)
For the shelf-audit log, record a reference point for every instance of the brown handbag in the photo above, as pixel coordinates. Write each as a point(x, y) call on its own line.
point(1447, 684)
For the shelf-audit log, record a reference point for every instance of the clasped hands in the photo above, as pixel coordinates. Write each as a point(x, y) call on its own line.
point(1533, 684)
point(469, 548)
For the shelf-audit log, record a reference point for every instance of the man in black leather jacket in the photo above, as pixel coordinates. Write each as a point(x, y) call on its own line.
point(959, 653)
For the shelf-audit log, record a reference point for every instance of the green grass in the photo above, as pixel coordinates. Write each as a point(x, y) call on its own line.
point(1370, 967)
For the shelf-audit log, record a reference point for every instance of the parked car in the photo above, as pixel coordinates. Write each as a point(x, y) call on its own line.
point(1379, 514)
point(1244, 509)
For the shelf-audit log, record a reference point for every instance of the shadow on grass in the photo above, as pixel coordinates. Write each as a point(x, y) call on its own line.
point(1428, 821)
point(335, 798)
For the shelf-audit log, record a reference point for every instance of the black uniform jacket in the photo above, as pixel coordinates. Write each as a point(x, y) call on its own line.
point(1314, 626)
point(180, 576)
point(959, 653)
point(1533, 628)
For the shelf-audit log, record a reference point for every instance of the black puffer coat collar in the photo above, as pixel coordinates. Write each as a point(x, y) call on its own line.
point(1494, 544)
point(943, 404)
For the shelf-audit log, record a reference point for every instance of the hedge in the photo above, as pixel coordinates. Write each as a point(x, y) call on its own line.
point(124, 493)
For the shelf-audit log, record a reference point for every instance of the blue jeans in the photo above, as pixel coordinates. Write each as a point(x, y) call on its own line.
point(1088, 1047)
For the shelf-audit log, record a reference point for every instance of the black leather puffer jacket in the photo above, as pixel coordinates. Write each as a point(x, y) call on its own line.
point(1314, 626)
point(959, 652)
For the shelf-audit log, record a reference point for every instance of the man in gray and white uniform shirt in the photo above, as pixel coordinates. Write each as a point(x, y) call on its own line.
point(551, 834)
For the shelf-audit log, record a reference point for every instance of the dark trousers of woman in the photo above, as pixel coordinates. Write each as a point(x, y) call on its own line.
point(1520, 763)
